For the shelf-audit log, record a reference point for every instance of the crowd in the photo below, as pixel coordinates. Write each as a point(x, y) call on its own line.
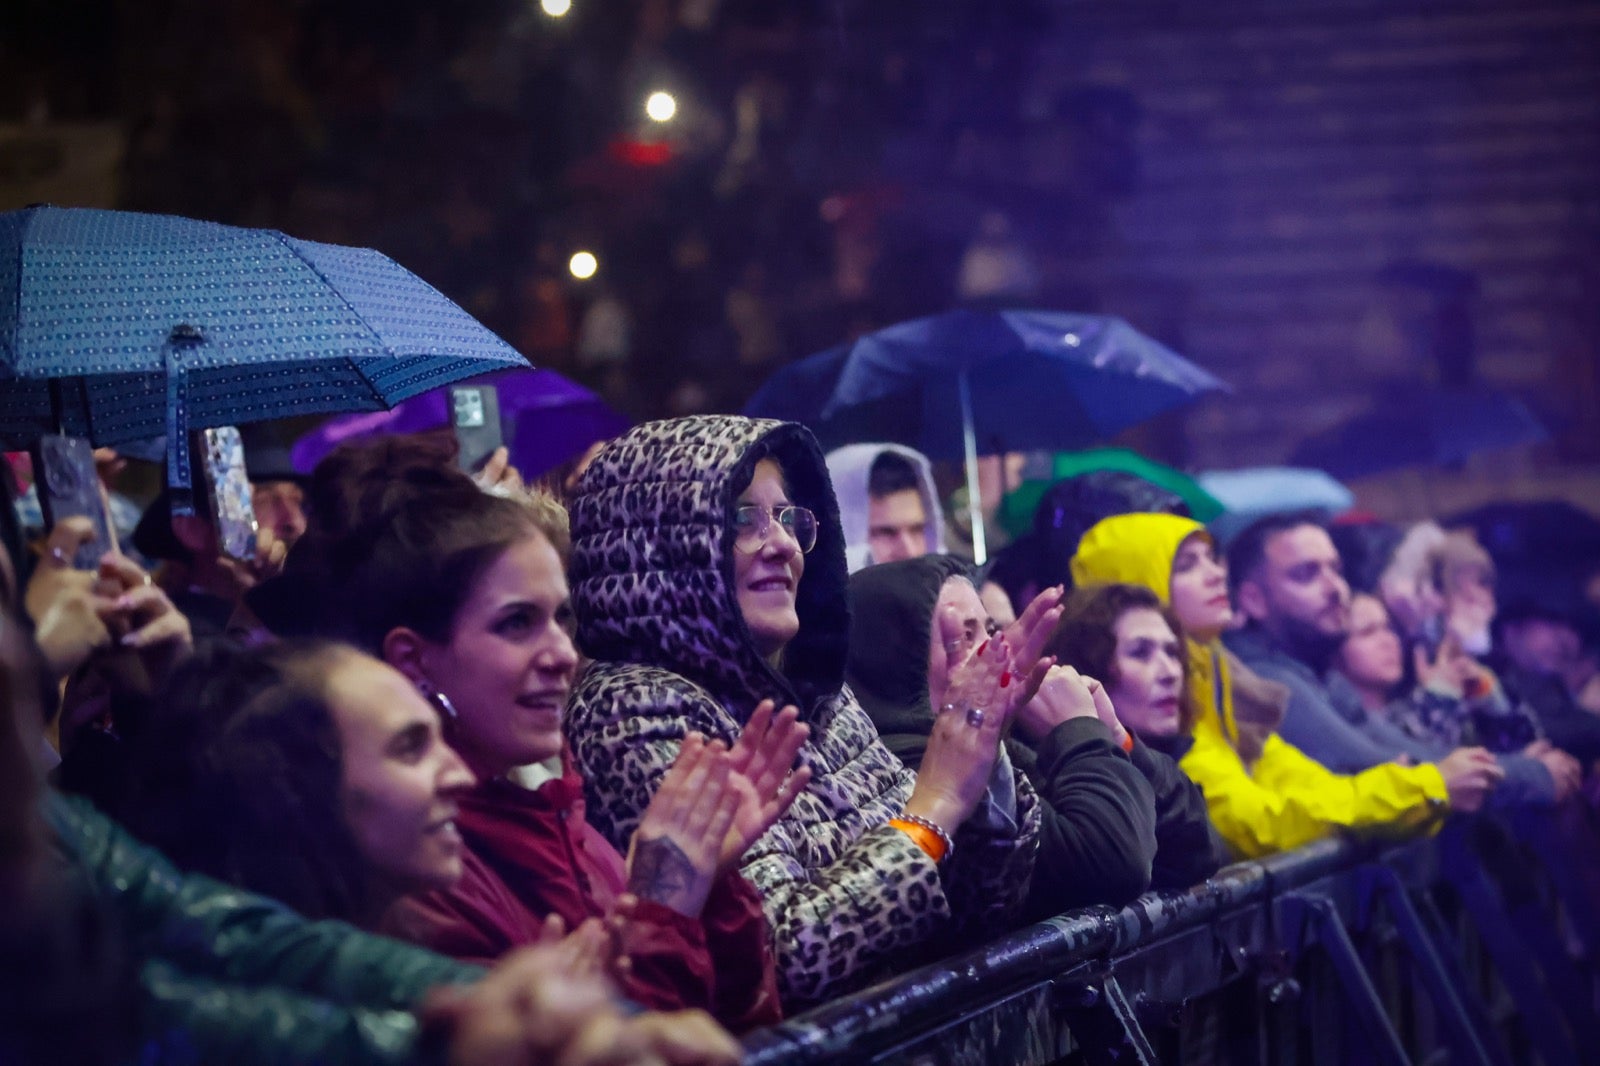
point(458, 770)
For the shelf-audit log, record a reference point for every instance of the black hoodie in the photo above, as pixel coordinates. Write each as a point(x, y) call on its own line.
point(1097, 834)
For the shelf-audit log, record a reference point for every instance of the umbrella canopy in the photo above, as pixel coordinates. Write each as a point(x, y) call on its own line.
point(1256, 492)
point(546, 420)
point(968, 382)
point(1038, 380)
point(1016, 513)
point(1421, 427)
point(117, 326)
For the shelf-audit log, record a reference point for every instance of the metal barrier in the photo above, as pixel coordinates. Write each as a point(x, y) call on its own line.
point(1334, 953)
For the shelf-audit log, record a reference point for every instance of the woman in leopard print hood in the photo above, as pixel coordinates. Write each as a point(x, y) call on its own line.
point(708, 574)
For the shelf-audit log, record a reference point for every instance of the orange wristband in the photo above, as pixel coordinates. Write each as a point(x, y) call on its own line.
point(923, 837)
point(1127, 742)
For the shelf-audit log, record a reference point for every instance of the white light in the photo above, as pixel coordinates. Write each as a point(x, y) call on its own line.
point(555, 8)
point(583, 265)
point(661, 107)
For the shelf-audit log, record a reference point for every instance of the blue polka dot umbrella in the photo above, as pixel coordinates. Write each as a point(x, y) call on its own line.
point(119, 326)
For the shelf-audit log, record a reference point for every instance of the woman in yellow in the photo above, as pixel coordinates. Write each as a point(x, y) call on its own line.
point(1263, 795)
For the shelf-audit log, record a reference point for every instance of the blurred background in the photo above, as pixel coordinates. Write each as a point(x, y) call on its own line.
point(1329, 203)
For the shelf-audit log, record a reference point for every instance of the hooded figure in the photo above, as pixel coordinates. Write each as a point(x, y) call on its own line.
point(1263, 795)
point(850, 468)
point(1097, 836)
point(658, 610)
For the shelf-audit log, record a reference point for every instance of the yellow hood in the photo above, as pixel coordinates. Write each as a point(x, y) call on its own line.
point(1133, 549)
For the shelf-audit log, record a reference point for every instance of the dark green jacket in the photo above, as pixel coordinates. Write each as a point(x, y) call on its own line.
point(227, 976)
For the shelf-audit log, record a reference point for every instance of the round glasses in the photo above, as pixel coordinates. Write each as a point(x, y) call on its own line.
point(752, 525)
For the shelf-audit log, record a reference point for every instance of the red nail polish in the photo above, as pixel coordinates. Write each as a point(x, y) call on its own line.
point(982, 646)
point(1005, 679)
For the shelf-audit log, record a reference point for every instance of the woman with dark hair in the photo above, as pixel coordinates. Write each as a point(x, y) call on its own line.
point(709, 580)
point(307, 772)
point(1125, 636)
point(1096, 836)
point(463, 591)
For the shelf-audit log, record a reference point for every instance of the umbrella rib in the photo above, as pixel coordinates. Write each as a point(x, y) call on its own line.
point(282, 238)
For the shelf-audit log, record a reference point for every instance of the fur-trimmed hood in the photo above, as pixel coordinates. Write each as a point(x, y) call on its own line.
point(652, 558)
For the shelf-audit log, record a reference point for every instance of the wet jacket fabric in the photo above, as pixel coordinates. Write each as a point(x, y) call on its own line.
point(530, 853)
point(1188, 848)
point(1097, 833)
point(1326, 720)
point(228, 976)
point(657, 611)
point(1263, 794)
point(850, 469)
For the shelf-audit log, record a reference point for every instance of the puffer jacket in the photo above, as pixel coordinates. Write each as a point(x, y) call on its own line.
point(1263, 794)
point(652, 589)
point(227, 976)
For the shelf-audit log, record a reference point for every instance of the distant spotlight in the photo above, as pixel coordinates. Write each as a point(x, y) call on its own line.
point(555, 8)
point(661, 107)
point(583, 265)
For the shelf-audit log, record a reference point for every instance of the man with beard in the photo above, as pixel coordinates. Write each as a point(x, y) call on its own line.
point(1288, 583)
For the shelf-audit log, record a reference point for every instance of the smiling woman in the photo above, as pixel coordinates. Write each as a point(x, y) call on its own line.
point(709, 583)
point(306, 771)
point(464, 593)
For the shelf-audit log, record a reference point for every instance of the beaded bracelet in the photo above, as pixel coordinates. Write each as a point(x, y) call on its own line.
point(927, 835)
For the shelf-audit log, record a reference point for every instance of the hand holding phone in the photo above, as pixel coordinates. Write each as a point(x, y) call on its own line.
point(69, 486)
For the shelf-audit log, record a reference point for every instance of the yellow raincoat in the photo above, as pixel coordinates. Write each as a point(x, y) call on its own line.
point(1263, 795)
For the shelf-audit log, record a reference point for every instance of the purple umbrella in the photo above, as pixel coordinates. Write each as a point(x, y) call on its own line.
point(546, 421)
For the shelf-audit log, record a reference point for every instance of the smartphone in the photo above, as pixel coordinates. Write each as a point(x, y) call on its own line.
point(64, 473)
point(228, 486)
point(475, 417)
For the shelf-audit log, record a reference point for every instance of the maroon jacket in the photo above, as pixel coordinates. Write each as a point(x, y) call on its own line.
point(532, 853)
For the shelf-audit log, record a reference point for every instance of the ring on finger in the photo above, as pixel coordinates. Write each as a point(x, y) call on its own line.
point(975, 716)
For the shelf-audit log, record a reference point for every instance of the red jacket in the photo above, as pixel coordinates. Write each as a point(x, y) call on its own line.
point(530, 854)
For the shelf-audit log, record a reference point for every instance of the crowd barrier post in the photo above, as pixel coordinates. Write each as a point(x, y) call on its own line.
point(1327, 954)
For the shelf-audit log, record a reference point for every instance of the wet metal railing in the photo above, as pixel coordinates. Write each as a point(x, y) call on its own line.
point(1334, 953)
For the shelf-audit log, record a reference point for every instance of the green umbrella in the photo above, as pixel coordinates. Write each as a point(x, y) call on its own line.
point(1016, 513)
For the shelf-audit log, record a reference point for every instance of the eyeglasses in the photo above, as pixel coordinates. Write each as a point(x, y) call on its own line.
point(752, 525)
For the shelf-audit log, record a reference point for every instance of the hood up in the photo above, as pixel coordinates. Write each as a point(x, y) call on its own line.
point(1133, 549)
point(850, 468)
point(891, 606)
point(652, 558)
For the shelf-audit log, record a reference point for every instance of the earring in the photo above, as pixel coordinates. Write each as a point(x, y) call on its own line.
point(447, 710)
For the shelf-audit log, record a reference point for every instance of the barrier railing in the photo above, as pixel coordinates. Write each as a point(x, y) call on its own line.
point(1334, 953)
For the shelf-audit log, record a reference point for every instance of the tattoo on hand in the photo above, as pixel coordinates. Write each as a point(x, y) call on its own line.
point(660, 871)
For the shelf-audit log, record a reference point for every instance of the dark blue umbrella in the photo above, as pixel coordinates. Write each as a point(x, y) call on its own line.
point(1421, 427)
point(117, 326)
point(971, 382)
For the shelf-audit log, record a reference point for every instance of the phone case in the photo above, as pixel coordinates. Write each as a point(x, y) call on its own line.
point(475, 417)
point(228, 485)
point(64, 473)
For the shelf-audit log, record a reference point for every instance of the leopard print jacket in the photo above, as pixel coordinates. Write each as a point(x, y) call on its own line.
point(847, 896)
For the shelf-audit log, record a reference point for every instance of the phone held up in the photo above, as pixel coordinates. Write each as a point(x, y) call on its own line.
point(228, 487)
point(475, 417)
point(63, 471)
